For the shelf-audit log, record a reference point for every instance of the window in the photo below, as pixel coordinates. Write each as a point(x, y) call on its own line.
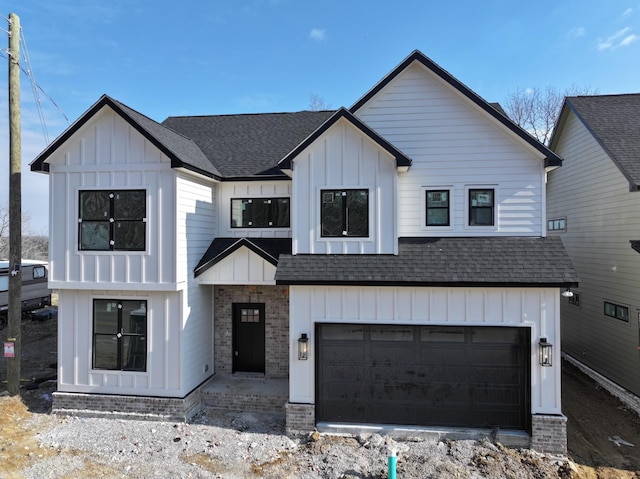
point(112, 220)
point(559, 224)
point(260, 212)
point(438, 208)
point(345, 213)
point(249, 315)
point(120, 334)
point(4, 283)
point(575, 299)
point(39, 272)
point(481, 207)
point(616, 311)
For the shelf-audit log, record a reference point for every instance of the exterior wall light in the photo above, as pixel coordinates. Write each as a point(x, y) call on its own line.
point(303, 347)
point(546, 352)
point(567, 293)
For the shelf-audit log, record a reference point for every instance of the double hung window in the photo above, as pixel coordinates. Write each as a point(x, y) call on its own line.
point(438, 212)
point(120, 334)
point(112, 220)
point(616, 311)
point(344, 213)
point(260, 212)
point(481, 207)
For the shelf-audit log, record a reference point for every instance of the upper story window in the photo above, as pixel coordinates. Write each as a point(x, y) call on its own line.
point(559, 224)
point(575, 299)
point(112, 220)
point(616, 311)
point(438, 212)
point(260, 212)
point(481, 207)
point(344, 213)
point(120, 334)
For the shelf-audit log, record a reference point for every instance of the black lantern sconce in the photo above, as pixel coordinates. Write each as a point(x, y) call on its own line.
point(546, 351)
point(303, 347)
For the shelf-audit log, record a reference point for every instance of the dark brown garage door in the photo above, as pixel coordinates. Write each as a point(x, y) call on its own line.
point(423, 375)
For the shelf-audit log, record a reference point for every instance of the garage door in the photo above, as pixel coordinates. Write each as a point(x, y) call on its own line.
point(423, 375)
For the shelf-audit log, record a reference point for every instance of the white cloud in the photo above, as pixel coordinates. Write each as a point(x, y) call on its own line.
point(576, 32)
point(318, 34)
point(627, 12)
point(621, 38)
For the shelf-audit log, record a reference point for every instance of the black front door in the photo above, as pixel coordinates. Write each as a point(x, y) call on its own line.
point(248, 337)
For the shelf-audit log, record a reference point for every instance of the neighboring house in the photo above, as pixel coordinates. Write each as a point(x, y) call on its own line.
point(593, 204)
point(389, 259)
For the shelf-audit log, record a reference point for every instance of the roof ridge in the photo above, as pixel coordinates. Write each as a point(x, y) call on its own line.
point(252, 114)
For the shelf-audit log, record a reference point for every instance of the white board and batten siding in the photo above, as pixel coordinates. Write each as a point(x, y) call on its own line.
point(344, 158)
point(533, 308)
point(243, 266)
point(250, 189)
point(107, 153)
point(602, 216)
point(455, 145)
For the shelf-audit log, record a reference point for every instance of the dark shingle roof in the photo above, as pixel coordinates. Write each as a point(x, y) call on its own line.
point(249, 144)
point(478, 261)
point(614, 120)
point(269, 249)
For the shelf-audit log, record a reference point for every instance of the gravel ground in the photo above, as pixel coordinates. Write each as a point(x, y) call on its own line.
point(220, 444)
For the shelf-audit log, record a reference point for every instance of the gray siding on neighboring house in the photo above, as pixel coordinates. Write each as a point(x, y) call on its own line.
point(602, 217)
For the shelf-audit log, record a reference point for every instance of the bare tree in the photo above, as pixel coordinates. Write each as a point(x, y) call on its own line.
point(317, 103)
point(34, 246)
point(536, 110)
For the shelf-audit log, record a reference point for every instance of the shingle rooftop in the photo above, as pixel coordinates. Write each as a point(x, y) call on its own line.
point(248, 144)
point(486, 261)
point(614, 120)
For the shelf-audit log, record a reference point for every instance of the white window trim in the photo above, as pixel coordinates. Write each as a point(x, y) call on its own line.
point(423, 209)
point(496, 203)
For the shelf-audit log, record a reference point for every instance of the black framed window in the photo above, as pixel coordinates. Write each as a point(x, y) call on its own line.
point(260, 212)
point(559, 224)
point(481, 207)
point(344, 213)
point(120, 335)
point(616, 311)
point(112, 220)
point(437, 204)
point(575, 299)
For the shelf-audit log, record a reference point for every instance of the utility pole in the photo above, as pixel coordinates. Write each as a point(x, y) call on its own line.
point(15, 212)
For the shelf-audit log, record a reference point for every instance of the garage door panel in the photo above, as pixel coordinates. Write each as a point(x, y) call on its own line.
point(424, 375)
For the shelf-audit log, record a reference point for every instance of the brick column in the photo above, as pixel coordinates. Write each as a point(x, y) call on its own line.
point(549, 433)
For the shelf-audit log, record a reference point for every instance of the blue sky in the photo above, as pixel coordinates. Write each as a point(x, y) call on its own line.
point(167, 58)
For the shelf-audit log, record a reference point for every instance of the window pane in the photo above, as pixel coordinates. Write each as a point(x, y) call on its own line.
point(280, 212)
point(622, 313)
point(94, 205)
point(105, 351)
point(105, 316)
point(482, 216)
point(610, 309)
point(481, 197)
point(331, 213)
point(4, 283)
point(129, 235)
point(261, 209)
point(442, 335)
point(130, 205)
point(438, 217)
point(357, 213)
point(391, 333)
point(38, 272)
point(134, 353)
point(343, 332)
point(134, 317)
point(240, 213)
point(94, 235)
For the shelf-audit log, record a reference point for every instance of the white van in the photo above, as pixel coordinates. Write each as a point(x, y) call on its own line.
point(35, 291)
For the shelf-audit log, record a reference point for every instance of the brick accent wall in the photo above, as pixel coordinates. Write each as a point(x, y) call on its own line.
point(127, 407)
point(276, 301)
point(301, 418)
point(549, 433)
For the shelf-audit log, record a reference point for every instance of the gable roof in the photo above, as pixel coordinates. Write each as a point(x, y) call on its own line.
point(614, 121)
point(479, 261)
point(401, 159)
point(268, 249)
point(551, 159)
point(182, 151)
point(248, 145)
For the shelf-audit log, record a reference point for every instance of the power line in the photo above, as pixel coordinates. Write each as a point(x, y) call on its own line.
point(34, 87)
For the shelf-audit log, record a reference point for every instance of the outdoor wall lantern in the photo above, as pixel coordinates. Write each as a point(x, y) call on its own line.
point(546, 350)
point(567, 293)
point(303, 347)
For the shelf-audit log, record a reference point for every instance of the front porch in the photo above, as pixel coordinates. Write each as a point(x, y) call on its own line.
point(246, 392)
